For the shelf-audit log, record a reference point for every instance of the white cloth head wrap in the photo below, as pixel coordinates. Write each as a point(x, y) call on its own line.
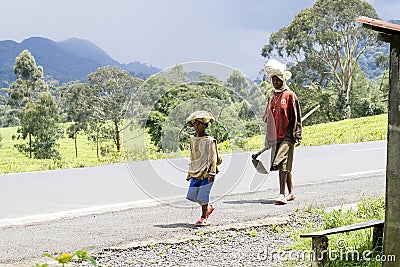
point(275, 68)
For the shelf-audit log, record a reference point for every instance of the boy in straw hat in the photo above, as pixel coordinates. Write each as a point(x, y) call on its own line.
point(284, 128)
point(204, 158)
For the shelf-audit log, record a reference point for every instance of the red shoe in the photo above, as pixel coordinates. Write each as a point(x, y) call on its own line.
point(209, 211)
point(202, 222)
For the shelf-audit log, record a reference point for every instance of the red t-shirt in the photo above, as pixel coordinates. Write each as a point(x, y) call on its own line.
point(279, 116)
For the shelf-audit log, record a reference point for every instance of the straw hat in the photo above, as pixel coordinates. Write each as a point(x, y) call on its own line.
point(200, 115)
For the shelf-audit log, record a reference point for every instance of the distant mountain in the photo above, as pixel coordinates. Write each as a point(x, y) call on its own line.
point(138, 67)
point(85, 49)
point(69, 60)
point(396, 21)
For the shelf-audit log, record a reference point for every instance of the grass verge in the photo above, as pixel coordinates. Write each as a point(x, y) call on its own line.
point(366, 129)
point(345, 249)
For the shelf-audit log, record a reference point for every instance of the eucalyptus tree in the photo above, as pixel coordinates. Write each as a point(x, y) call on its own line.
point(326, 43)
point(250, 101)
point(112, 88)
point(28, 84)
point(39, 123)
point(77, 102)
point(37, 111)
point(239, 84)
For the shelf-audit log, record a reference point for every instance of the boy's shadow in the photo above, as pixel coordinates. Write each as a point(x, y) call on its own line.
point(254, 201)
point(175, 225)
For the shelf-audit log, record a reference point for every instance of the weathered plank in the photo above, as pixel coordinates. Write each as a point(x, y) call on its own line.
point(347, 228)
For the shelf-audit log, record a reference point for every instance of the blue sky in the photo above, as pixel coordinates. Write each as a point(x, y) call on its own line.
point(164, 32)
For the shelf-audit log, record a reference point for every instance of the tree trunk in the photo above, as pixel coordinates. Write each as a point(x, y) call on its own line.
point(347, 107)
point(30, 145)
point(117, 137)
point(346, 87)
point(76, 144)
point(97, 144)
point(391, 246)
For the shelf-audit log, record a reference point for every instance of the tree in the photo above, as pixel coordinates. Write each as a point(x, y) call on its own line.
point(77, 98)
point(34, 106)
point(166, 120)
point(112, 89)
point(39, 125)
point(28, 84)
point(4, 118)
point(326, 43)
point(239, 83)
point(367, 99)
point(250, 101)
point(383, 62)
point(177, 75)
point(165, 100)
point(155, 123)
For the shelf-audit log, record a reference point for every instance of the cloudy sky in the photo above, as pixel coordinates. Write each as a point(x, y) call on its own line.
point(164, 32)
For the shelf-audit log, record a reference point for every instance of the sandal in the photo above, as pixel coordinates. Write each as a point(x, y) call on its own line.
point(290, 197)
point(202, 222)
point(281, 200)
point(209, 211)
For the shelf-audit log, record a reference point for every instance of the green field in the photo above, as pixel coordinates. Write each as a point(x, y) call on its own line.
point(11, 160)
point(347, 131)
point(365, 129)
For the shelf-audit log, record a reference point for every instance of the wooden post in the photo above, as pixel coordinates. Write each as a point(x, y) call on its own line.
point(390, 33)
point(320, 250)
point(377, 237)
point(391, 247)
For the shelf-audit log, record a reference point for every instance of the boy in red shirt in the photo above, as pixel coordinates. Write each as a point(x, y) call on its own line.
point(283, 132)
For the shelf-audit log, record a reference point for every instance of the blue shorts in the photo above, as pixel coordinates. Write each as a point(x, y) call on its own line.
point(199, 191)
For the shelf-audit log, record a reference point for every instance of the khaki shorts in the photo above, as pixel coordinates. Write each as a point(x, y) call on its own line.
point(282, 156)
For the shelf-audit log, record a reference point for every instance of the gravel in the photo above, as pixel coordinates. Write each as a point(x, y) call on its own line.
point(248, 246)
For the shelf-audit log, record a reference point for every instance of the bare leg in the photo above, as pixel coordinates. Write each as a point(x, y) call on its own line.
point(204, 209)
point(289, 182)
point(282, 181)
point(282, 184)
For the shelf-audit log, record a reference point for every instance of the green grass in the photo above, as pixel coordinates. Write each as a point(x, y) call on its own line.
point(12, 161)
point(368, 208)
point(365, 129)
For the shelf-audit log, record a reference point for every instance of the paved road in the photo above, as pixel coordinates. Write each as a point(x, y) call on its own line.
point(87, 190)
point(357, 170)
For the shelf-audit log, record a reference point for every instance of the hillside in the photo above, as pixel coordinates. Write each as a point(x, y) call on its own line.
point(72, 59)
